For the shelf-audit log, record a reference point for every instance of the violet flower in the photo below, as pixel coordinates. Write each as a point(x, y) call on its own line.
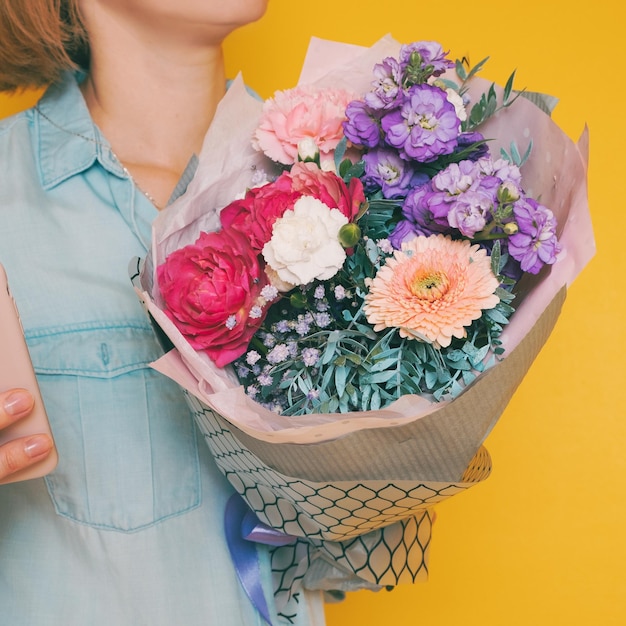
point(431, 54)
point(535, 243)
point(319, 292)
point(362, 126)
point(449, 185)
point(387, 92)
point(340, 293)
point(425, 127)
point(385, 169)
point(501, 169)
point(282, 326)
point(404, 230)
point(457, 178)
point(470, 212)
point(479, 151)
point(418, 210)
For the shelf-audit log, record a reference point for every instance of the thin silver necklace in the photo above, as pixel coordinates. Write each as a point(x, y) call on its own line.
point(104, 145)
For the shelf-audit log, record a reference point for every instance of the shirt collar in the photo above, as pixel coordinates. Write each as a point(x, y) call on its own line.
point(67, 140)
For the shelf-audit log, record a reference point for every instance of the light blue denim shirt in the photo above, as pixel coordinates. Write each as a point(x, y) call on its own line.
point(128, 530)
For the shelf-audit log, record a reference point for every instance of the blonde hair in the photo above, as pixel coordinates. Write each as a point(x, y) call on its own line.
point(39, 40)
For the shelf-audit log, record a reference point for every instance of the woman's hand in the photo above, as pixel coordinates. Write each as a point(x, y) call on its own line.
point(19, 453)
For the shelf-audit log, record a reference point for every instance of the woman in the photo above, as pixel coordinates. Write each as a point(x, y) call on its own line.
point(128, 529)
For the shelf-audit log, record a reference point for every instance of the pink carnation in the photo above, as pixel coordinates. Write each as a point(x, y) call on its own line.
point(302, 113)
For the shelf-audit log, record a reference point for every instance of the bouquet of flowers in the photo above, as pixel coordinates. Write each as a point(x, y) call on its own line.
point(355, 282)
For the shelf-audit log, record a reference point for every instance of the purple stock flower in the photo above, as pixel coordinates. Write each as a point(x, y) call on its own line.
point(431, 54)
point(478, 152)
point(457, 178)
point(384, 246)
point(425, 127)
point(403, 231)
point(449, 185)
point(265, 380)
point(340, 293)
point(385, 169)
point(387, 92)
point(535, 243)
point(362, 126)
point(502, 170)
point(469, 212)
point(252, 391)
point(319, 292)
point(417, 209)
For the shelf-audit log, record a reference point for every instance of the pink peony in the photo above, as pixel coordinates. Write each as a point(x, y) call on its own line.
point(432, 289)
point(209, 289)
point(303, 113)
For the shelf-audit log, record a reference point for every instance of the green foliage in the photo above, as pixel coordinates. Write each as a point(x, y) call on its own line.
point(488, 104)
point(514, 156)
point(359, 369)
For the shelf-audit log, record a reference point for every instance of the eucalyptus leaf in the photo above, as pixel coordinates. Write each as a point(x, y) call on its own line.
point(341, 376)
point(379, 366)
point(375, 402)
point(449, 84)
point(477, 67)
point(508, 88)
point(496, 316)
point(456, 355)
point(515, 153)
point(455, 388)
point(340, 151)
point(430, 378)
point(366, 394)
point(545, 102)
point(379, 377)
point(468, 377)
point(479, 355)
point(460, 70)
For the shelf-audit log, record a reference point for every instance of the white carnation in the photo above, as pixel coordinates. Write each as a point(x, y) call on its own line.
point(305, 242)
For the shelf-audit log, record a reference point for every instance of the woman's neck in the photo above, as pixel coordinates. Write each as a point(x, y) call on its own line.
point(153, 102)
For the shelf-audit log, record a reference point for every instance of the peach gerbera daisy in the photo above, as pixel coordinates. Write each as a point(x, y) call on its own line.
point(432, 289)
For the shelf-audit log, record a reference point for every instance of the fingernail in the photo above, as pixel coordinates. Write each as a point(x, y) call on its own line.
point(37, 445)
point(18, 402)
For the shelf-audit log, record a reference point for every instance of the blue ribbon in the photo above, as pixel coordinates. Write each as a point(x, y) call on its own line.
point(254, 529)
point(243, 529)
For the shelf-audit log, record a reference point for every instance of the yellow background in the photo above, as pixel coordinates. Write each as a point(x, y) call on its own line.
point(541, 542)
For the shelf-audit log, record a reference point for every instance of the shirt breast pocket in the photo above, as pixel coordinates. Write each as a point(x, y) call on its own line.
point(128, 454)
